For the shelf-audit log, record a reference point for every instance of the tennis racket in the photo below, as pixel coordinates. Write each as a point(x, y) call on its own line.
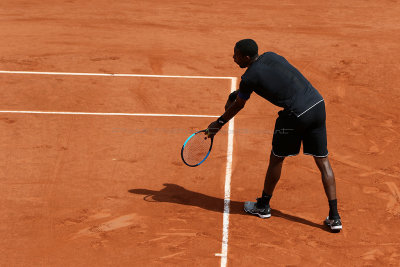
point(196, 148)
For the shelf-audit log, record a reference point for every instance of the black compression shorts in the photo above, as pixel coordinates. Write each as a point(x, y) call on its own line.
point(291, 130)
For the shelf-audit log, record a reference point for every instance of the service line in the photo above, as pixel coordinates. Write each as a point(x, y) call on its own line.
point(107, 114)
point(114, 75)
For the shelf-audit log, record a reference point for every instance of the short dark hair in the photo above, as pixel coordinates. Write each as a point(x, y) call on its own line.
point(247, 47)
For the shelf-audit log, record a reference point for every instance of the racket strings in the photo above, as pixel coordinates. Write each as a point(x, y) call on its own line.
point(196, 149)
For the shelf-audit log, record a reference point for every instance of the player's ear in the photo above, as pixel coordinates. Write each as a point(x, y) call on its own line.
point(248, 58)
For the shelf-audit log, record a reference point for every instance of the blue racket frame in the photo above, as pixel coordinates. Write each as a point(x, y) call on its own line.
point(208, 153)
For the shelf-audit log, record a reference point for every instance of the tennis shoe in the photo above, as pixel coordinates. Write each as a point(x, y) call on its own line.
point(257, 208)
point(335, 224)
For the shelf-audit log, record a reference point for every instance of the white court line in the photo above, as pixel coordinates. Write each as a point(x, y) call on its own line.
point(114, 75)
point(227, 196)
point(107, 114)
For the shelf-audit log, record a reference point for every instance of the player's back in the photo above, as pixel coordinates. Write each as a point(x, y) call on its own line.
point(281, 83)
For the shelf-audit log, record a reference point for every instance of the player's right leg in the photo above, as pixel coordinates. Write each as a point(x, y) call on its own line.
point(328, 179)
point(315, 144)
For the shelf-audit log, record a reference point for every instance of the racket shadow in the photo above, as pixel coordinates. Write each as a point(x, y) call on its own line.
point(174, 193)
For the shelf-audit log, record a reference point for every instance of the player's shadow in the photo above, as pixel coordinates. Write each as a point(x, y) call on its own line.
point(177, 194)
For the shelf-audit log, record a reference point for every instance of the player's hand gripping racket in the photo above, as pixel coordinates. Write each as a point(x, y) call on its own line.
point(196, 148)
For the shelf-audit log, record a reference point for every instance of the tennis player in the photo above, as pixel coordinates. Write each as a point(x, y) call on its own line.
point(302, 120)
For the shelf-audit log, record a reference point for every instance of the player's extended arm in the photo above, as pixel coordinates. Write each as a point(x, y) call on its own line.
point(230, 112)
point(233, 109)
point(231, 99)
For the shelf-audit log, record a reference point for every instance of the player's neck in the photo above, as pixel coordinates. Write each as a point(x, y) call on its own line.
point(253, 60)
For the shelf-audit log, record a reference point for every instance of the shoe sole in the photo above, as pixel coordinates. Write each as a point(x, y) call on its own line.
point(335, 229)
point(262, 216)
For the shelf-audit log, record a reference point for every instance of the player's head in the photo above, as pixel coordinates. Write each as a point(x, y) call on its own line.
point(245, 52)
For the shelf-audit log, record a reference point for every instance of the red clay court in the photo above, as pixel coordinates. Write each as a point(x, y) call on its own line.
point(97, 98)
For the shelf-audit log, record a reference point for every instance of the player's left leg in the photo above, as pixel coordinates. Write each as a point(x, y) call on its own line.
point(273, 173)
point(286, 142)
point(261, 207)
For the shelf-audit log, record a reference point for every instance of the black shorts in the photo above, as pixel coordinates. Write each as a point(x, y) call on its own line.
point(310, 128)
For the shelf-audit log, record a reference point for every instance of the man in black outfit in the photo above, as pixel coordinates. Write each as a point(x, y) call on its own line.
point(302, 120)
